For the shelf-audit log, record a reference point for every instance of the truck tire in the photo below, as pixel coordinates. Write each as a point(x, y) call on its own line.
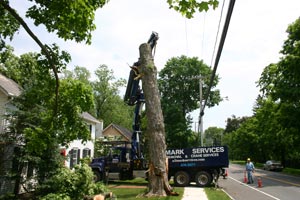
point(203, 178)
point(98, 176)
point(181, 179)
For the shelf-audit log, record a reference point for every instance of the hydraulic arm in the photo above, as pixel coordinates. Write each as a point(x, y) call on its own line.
point(134, 97)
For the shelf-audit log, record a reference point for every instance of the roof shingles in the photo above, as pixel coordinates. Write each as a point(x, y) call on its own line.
point(9, 87)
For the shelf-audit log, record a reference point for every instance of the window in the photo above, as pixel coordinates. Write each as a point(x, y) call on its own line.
point(74, 157)
point(30, 170)
point(86, 153)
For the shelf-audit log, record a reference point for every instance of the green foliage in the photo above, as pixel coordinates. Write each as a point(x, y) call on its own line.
point(79, 73)
point(292, 171)
point(291, 45)
point(234, 123)
point(68, 184)
point(188, 7)
point(273, 131)
point(247, 139)
point(75, 98)
point(33, 122)
point(69, 19)
point(9, 63)
point(280, 86)
point(282, 80)
point(53, 196)
point(59, 59)
point(213, 136)
point(179, 83)
point(137, 194)
point(179, 87)
point(109, 105)
point(8, 25)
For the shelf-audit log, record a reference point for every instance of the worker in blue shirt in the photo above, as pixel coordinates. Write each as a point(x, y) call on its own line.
point(249, 169)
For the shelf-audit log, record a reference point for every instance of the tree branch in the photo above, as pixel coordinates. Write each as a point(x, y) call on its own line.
point(41, 45)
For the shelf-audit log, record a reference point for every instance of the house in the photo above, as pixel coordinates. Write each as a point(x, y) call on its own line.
point(8, 90)
point(117, 132)
point(77, 149)
point(74, 152)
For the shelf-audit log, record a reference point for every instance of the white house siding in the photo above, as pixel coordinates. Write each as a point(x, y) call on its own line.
point(3, 101)
point(77, 150)
point(6, 158)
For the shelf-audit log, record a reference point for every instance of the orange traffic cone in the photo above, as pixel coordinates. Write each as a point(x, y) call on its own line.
point(259, 182)
point(245, 178)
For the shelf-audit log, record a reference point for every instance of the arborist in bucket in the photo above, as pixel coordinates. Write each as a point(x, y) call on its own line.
point(250, 169)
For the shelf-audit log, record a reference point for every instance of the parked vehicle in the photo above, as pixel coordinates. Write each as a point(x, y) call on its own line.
point(202, 165)
point(273, 165)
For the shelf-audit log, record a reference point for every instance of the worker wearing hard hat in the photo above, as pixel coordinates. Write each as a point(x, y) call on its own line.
point(249, 169)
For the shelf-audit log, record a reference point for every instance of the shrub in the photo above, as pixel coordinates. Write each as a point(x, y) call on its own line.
point(67, 184)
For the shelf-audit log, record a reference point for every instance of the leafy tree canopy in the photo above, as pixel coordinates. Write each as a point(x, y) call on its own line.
point(179, 83)
point(188, 7)
point(69, 20)
point(179, 87)
point(281, 81)
point(273, 131)
point(234, 123)
point(32, 122)
point(109, 105)
point(213, 136)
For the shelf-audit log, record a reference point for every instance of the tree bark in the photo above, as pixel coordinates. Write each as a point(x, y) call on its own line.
point(158, 177)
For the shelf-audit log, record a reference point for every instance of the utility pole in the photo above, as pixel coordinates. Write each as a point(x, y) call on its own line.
point(200, 119)
point(200, 124)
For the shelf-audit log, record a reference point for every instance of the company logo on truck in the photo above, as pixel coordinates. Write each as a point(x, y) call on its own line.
point(175, 153)
point(206, 152)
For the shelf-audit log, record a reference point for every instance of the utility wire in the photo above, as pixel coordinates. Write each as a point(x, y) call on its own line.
point(186, 39)
point(218, 56)
point(202, 46)
point(213, 55)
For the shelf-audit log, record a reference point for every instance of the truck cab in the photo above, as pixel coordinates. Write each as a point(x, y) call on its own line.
point(117, 160)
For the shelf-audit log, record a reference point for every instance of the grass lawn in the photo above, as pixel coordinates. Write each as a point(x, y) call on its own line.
point(134, 189)
point(136, 193)
point(215, 194)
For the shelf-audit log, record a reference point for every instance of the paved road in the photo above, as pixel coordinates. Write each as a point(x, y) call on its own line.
point(275, 185)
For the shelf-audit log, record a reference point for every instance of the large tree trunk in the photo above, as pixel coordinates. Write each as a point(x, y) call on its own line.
point(158, 177)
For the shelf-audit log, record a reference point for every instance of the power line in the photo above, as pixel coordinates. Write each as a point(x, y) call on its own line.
point(217, 35)
point(186, 39)
point(202, 46)
point(218, 56)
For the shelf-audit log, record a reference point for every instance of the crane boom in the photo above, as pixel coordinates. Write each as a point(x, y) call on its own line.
point(134, 97)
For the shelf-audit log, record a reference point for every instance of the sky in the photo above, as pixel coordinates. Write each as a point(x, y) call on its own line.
point(255, 36)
